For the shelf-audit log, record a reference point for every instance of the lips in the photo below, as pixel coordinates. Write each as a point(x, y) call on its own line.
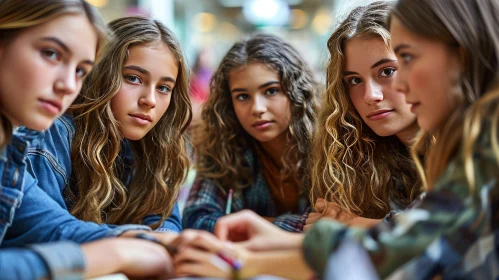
point(142, 117)
point(414, 106)
point(53, 106)
point(260, 123)
point(379, 112)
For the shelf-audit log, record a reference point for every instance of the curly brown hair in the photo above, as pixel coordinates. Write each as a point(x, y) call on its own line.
point(222, 140)
point(160, 158)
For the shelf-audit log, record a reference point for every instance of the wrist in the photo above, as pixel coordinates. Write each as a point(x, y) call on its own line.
point(250, 266)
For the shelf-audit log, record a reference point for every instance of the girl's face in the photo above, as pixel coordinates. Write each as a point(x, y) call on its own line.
point(42, 69)
point(428, 75)
point(369, 71)
point(149, 76)
point(260, 104)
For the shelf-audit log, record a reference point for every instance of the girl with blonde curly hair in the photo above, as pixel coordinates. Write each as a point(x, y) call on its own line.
point(362, 167)
point(255, 140)
point(119, 156)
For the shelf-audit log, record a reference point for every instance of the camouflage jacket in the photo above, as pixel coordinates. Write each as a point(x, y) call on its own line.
point(449, 233)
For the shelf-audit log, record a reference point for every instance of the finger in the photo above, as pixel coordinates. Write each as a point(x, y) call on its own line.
point(185, 237)
point(188, 254)
point(241, 221)
point(307, 227)
point(206, 242)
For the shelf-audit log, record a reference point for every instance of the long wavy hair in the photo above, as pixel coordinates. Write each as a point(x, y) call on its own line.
point(352, 166)
point(17, 15)
point(222, 140)
point(160, 158)
point(470, 27)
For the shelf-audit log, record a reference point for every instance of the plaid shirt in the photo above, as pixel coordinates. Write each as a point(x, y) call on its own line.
point(450, 233)
point(207, 203)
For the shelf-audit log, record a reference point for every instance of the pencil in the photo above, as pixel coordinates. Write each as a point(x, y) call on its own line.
point(228, 207)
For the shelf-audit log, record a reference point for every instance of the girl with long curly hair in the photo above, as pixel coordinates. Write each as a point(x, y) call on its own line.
point(119, 156)
point(255, 140)
point(362, 168)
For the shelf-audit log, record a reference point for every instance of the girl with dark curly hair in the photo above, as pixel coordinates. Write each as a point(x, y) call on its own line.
point(256, 137)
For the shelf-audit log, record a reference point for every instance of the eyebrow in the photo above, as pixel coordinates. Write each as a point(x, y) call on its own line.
point(376, 64)
point(145, 72)
point(399, 47)
point(65, 48)
point(260, 87)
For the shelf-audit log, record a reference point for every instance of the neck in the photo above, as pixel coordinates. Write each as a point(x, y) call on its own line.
point(408, 135)
point(275, 148)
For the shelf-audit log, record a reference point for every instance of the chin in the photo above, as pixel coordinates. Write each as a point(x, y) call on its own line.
point(133, 135)
point(39, 124)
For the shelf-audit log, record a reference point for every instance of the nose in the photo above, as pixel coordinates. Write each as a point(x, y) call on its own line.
point(399, 83)
point(259, 105)
point(148, 98)
point(66, 81)
point(373, 93)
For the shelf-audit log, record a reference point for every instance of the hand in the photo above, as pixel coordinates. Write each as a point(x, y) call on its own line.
point(253, 232)
point(133, 257)
point(198, 256)
point(327, 210)
point(311, 219)
point(164, 237)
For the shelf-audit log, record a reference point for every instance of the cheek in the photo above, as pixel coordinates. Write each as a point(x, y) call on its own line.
point(119, 103)
point(165, 104)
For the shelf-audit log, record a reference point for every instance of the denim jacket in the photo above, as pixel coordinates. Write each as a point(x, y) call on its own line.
point(49, 161)
point(28, 215)
point(60, 260)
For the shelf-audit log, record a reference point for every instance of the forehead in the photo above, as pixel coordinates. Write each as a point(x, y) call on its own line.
point(364, 52)
point(73, 30)
point(252, 74)
point(157, 58)
point(400, 34)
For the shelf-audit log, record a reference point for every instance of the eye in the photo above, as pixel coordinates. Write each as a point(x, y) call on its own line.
point(272, 91)
point(51, 54)
point(164, 89)
point(132, 79)
point(354, 81)
point(81, 72)
point(387, 72)
point(241, 97)
point(406, 58)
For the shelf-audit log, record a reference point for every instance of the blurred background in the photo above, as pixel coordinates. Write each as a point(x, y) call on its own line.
point(208, 28)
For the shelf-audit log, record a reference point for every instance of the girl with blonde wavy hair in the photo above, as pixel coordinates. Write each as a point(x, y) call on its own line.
point(47, 48)
point(119, 155)
point(362, 169)
point(254, 145)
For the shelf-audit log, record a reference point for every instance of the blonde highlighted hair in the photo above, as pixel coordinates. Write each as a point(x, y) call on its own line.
point(160, 158)
point(469, 29)
point(352, 166)
point(17, 15)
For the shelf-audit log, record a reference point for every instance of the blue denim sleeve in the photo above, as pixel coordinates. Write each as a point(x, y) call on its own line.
point(172, 224)
point(21, 264)
point(40, 219)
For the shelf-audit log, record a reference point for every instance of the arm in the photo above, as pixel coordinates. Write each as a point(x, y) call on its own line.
point(171, 224)
point(448, 213)
point(40, 219)
point(205, 205)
